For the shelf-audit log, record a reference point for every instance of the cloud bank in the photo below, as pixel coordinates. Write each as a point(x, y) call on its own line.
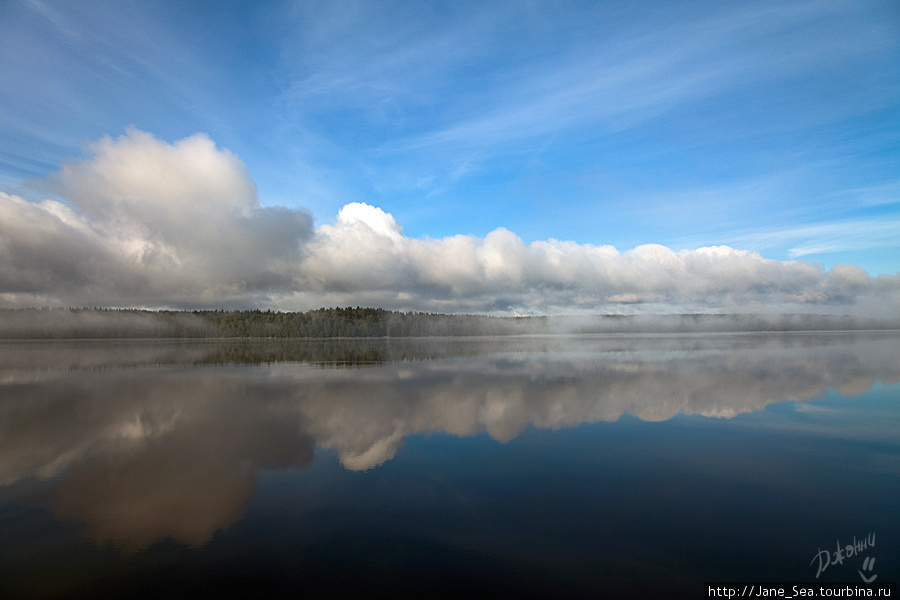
point(140, 222)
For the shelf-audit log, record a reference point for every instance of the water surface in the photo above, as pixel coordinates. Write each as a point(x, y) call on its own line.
point(568, 466)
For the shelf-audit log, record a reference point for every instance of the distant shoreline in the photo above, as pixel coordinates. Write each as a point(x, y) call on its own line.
point(369, 323)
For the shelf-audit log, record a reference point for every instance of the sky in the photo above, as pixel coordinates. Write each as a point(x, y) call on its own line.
point(492, 157)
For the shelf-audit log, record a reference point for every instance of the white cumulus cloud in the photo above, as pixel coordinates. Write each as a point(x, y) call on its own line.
point(141, 222)
point(152, 224)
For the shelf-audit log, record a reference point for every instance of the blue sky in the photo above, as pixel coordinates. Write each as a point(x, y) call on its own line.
point(767, 127)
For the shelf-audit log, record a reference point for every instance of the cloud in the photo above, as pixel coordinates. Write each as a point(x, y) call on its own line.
point(152, 224)
point(850, 234)
point(140, 222)
point(364, 257)
point(634, 71)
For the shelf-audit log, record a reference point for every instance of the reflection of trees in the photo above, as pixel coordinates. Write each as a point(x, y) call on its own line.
point(173, 448)
point(333, 352)
point(100, 354)
point(80, 354)
point(83, 354)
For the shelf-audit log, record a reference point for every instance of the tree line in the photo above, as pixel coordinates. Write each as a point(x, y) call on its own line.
point(349, 322)
point(358, 322)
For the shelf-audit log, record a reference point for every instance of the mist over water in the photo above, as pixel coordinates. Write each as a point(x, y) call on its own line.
point(138, 442)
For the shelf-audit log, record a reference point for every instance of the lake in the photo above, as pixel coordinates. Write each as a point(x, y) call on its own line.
point(545, 466)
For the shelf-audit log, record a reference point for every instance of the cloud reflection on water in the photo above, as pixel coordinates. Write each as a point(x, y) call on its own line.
point(141, 442)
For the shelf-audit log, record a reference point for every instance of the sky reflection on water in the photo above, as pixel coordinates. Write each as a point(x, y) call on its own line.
point(205, 445)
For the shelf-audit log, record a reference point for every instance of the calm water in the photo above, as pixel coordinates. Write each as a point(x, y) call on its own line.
point(540, 467)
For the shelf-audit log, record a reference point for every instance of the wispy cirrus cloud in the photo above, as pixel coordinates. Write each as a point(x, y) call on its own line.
point(592, 121)
point(632, 72)
point(805, 240)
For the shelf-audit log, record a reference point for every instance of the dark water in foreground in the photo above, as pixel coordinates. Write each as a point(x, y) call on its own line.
point(531, 467)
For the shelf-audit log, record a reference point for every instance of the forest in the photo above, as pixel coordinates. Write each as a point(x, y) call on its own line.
point(349, 322)
point(101, 323)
